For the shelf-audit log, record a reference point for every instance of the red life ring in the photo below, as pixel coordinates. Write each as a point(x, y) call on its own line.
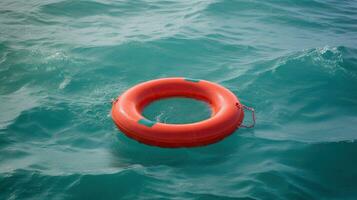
point(227, 113)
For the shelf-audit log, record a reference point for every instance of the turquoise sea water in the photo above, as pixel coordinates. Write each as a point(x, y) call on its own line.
point(61, 62)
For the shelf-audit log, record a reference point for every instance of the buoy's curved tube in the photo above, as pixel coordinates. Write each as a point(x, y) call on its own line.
point(226, 115)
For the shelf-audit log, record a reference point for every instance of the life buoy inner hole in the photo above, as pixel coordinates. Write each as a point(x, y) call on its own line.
point(177, 110)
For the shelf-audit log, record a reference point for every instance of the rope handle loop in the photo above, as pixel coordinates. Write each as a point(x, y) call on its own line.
point(253, 116)
point(114, 100)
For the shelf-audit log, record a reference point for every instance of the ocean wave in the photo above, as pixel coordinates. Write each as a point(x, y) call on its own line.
point(304, 96)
